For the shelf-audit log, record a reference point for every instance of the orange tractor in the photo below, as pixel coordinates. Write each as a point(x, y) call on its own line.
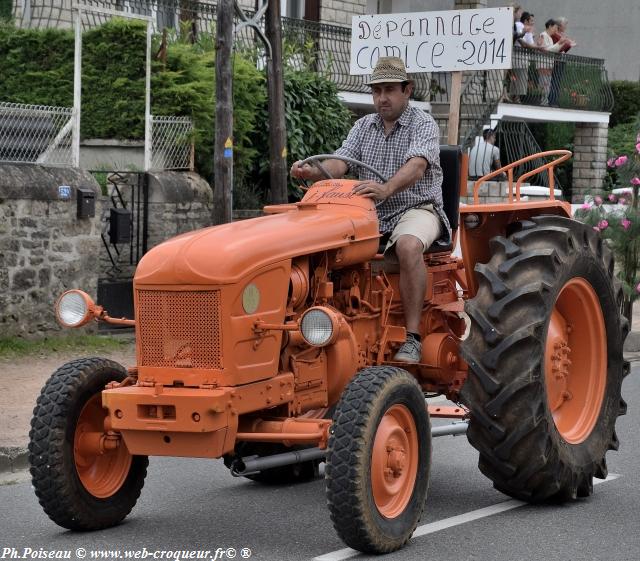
point(269, 343)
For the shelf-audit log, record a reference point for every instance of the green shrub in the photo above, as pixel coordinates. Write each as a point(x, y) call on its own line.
point(626, 106)
point(316, 122)
point(5, 9)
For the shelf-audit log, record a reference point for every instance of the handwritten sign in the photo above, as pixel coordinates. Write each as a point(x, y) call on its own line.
point(434, 41)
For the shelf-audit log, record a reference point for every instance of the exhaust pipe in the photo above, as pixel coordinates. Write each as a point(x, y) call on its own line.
point(255, 464)
point(250, 465)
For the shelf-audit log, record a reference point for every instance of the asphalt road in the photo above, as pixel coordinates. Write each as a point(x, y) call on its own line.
point(197, 505)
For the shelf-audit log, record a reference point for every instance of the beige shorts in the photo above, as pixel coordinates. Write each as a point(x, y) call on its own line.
point(422, 223)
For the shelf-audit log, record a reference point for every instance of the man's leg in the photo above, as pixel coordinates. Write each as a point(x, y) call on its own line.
point(413, 279)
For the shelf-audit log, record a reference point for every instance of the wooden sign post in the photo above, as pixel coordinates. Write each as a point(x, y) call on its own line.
point(454, 107)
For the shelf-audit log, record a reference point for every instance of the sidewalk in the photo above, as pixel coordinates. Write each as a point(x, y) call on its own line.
point(21, 381)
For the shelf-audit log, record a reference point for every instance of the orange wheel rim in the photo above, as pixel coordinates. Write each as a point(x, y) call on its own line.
point(394, 461)
point(101, 471)
point(576, 361)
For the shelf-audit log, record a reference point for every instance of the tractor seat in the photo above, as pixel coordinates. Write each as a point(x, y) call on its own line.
point(451, 164)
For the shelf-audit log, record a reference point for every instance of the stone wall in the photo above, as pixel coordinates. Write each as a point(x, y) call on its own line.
point(589, 159)
point(178, 202)
point(490, 192)
point(469, 4)
point(45, 248)
point(341, 11)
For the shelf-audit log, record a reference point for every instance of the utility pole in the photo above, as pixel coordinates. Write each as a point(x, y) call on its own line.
point(223, 148)
point(275, 87)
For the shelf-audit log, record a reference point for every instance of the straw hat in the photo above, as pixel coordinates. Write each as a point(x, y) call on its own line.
point(389, 69)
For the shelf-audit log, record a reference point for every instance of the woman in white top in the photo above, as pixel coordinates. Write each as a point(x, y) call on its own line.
point(545, 66)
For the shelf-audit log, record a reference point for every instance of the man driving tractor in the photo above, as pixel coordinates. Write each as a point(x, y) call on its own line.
point(403, 142)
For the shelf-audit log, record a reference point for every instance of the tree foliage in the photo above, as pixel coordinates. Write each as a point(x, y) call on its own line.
point(626, 106)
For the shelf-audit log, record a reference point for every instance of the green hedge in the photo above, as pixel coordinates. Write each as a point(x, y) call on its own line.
point(626, 106)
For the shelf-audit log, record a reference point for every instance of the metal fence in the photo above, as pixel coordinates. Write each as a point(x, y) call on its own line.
point(171, 143)
point(35, 133)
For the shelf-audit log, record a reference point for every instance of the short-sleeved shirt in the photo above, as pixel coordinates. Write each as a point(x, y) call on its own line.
point(481, 156)
point(415, 134)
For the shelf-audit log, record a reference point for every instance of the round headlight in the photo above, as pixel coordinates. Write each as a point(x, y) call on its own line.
point(318, 326)
point(73, 308)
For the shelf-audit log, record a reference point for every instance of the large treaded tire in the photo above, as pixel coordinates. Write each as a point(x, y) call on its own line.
point(55, 478)
point(371, 394)
point(511, 425)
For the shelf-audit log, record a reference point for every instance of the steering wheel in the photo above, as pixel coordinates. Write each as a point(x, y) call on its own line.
point(315, 160)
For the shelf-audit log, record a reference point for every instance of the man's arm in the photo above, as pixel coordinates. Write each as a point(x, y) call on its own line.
point(336, 168)
point(405, 177)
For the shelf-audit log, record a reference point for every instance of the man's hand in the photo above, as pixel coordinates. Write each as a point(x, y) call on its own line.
point(373, 190)
point(301, 172)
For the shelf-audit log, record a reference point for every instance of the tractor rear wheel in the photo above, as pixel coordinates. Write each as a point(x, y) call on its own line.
point(378, 460)
point(81, 484)
point(545, 360)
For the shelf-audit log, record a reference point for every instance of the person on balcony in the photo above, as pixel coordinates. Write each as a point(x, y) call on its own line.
point(558, 67)
point(402, 142)
point(520, 71)
point(484, 157)
point(546, 64)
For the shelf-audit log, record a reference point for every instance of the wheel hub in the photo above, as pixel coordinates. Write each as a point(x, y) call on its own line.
point(394, 461)
point(575, 360)
point(102, 460)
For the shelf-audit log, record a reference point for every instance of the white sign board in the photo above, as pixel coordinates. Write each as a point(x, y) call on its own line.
point(434, 41)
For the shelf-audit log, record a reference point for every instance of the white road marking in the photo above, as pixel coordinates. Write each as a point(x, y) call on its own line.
point(425, 529)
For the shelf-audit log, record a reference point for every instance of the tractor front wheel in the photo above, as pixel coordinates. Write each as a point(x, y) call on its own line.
point(378, 460)
point(545, 360)
point(82, 481)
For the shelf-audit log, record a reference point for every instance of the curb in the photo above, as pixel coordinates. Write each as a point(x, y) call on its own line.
point(13, 459)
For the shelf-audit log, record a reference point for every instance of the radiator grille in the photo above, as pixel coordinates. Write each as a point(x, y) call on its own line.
point(179, 329)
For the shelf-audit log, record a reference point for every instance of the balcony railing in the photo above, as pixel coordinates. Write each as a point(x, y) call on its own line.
point(558, 80)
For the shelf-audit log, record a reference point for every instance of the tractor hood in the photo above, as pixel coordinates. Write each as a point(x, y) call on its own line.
point(227, 253)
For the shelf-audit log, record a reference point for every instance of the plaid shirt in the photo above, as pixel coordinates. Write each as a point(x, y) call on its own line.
point(415, 134)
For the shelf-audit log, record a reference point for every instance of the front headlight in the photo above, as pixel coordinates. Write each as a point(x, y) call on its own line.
point(319, 326)
point(74, 308)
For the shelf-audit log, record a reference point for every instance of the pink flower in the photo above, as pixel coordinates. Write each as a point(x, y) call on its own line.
point(603, 225)
point(638, 147)
point(635, 181)
point(598, 200)
point(625, 224)
point(586, 206)
point(638, 288)
point(612, 198)
point(622, 201)
point(622, 160)
point(611, 162)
